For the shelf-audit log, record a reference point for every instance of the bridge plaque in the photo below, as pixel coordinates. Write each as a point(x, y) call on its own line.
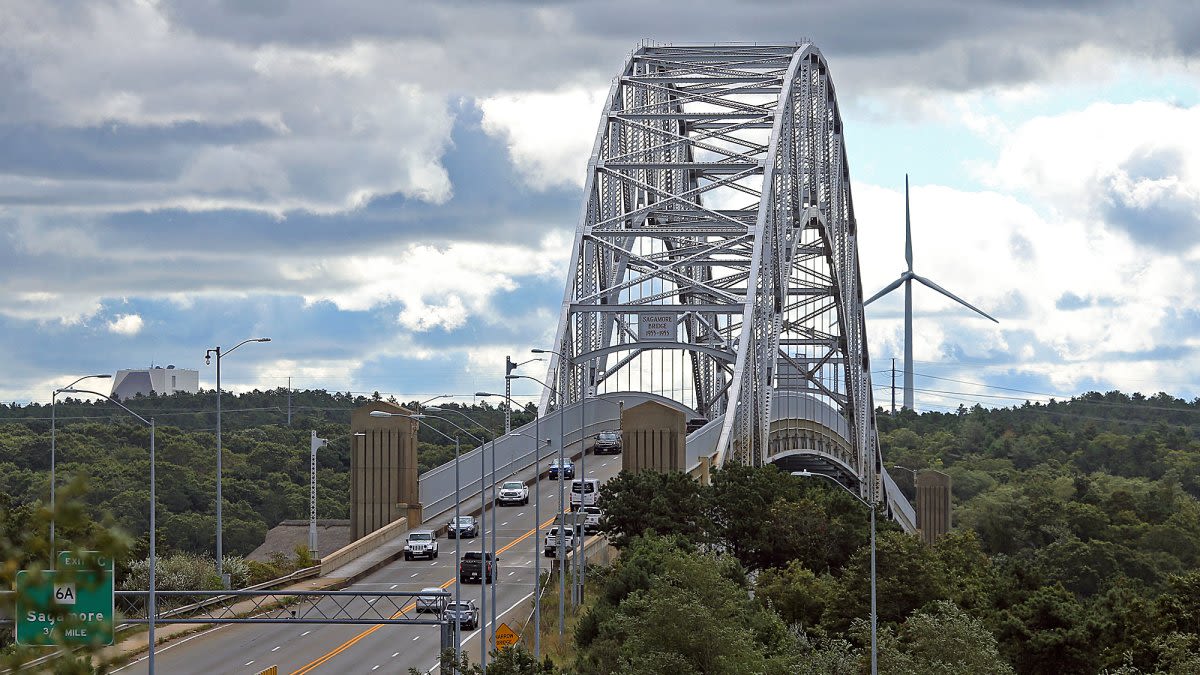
point(657, 327)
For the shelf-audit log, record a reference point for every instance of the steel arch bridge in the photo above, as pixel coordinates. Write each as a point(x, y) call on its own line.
point(716, 259)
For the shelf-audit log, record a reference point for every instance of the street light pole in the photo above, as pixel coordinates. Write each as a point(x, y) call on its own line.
point(537, 520)
point(483, 592)
point(457, 532)
point(53, 481)
point(509, 366)
point(217, 351)
point(151, 610)
point(562, 549)
point(871, 507)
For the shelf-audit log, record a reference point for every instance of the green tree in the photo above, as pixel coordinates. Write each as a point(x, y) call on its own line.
point(908, 576)
point(669, 503)
point(688, 615)
point(1048, 634)
point(796, 593)
point(942, 640)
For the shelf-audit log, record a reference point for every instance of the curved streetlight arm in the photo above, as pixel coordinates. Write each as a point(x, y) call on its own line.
point(69, 386)
point(220, 354)
point(526, 377)
point(416, 417)
point(72, 390)
point(807, 474)
point(463, 415)
point(384, 413)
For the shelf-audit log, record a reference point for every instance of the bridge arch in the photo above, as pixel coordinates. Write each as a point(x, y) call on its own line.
point(715, 259)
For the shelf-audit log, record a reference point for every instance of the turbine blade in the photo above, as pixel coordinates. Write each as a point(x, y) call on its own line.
point(887, 289)
point(953, 297)
point(907, 227)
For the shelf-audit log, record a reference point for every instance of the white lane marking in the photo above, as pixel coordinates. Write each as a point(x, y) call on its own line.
point(417, 637)
point(504, 524)
point(305, 633)
point(520, 514)
point(372, 601)
point(247, 663)
point(414, 575)
point(433, 563)
point(275, 649)
point(477, 631)
point(375, 668)
point(390, 589)
point(395, 655)
point(509, 574)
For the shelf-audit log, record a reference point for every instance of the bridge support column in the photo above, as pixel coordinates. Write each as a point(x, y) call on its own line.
point(652, 438)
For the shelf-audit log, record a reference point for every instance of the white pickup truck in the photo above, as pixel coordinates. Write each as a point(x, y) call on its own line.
point(513, 492)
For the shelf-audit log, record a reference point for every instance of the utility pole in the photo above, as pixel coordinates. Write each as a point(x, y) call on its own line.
point(312, 491)
point(893, 387)
point(509, 366)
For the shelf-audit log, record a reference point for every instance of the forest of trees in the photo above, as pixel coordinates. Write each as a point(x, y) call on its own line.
point(1076, 550)
point(265, 461)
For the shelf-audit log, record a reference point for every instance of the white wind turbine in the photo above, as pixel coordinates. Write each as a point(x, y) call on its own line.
point(907, 278)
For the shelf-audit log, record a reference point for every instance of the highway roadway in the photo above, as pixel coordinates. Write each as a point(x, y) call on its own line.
point(315, 648)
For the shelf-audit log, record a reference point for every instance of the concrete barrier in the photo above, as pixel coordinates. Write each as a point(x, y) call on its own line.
point(359, 548)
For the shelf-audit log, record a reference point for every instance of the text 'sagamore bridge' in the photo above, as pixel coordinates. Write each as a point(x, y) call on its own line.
point(715, 263)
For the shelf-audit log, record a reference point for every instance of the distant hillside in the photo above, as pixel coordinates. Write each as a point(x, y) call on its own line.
point(265, 467)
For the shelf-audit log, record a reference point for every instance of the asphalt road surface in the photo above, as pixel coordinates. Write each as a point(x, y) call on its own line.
point(316, 648)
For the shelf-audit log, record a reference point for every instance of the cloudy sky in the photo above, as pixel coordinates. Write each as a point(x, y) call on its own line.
point(389, 189)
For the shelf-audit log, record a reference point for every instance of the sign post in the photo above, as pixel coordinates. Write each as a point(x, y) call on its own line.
point(70, 606)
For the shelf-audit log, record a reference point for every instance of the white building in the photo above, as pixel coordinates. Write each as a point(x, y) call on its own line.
point(158, 380)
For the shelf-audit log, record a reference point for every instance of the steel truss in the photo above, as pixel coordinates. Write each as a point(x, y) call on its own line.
point(325, 607)
point(717, 204)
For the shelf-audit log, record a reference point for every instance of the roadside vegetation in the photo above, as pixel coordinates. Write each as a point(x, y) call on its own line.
point(1076, 550)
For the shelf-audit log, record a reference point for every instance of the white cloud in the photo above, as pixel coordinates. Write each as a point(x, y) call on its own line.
point(1134, 166)
point(549, 135)
point(126, 324)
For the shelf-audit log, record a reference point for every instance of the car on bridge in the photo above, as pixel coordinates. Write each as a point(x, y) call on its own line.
point(567, 466)
point(420, 544)
point(607, 443)
point(434, 604)
point(467, 527)
point(591, 519)
point(584, 492)
point(550, 544)
point(464, 612)
point(513, 492)
point(476, 566)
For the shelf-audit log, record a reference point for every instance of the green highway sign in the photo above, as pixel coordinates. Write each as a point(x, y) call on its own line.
point(72, 606)
point(84, 560)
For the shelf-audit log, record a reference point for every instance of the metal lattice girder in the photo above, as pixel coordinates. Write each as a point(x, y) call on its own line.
point(718, 238)
point(348, 607)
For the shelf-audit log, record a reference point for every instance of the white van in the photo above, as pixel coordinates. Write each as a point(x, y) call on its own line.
point(584, 492)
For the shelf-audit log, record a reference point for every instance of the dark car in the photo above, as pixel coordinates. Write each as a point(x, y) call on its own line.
point(464, 612)
point(568, 469)
point(607, 443)
point(467, 527)
point(474, 568)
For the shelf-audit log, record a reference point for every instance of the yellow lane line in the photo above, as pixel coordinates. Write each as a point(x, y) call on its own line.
point(321, 660)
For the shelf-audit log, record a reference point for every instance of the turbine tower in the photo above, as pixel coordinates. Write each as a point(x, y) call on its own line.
point(907, 278)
